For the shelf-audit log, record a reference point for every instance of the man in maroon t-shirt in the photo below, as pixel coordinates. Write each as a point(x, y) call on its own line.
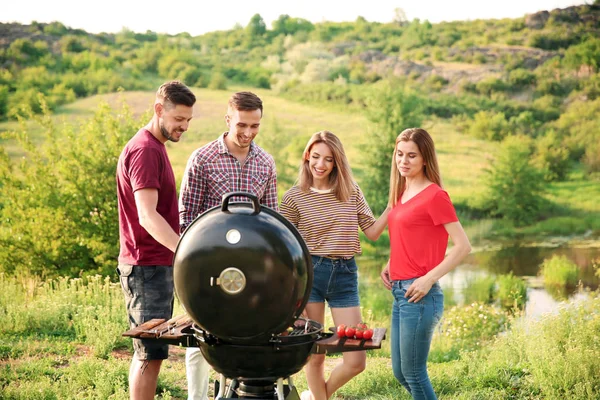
point(149, 227)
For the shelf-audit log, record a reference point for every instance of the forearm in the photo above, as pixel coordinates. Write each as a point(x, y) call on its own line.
point(451, 261)
point(374, 231)
point(160, 230)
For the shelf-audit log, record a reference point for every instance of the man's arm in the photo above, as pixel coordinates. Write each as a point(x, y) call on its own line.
point(146, 201)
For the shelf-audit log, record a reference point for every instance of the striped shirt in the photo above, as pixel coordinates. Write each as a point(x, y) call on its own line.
point(328, 226)
point(213, 171)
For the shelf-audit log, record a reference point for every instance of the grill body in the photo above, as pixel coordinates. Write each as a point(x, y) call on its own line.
point(242, 272)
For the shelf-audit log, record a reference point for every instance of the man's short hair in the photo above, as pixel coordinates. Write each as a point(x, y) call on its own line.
point(175, 93)
point(245, 101)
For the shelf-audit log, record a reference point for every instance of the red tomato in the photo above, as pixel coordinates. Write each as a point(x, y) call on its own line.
point(341, 330)
point(350, 331)
point(359, 333)
point(368, 334)
point(362, 325)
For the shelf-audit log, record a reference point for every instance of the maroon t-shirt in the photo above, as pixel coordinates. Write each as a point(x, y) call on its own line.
point(144, 163)
point(418, 237)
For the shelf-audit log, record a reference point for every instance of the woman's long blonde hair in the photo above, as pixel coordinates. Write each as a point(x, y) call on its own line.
point(340, 178)
point(427, 149)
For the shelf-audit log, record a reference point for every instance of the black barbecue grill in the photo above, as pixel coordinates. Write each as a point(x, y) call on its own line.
point(243, 274)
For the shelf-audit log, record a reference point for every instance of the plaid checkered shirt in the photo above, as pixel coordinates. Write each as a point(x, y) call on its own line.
point(212, 171)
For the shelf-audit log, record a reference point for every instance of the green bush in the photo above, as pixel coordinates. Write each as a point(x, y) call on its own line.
point(578, 126)
point(560, 226)
point(554, 39)
point(59, 212)
point(489, 125)
point(512, 292)
point(559, 271)
point(585, 54)
point(490, 85)
point(480, 290)
point(525, 123)
point(521, 78)
point(436, 82)
point(470, 325)
point(3, 101)
point(551, 157)
point(217, 81)
point(55, 28)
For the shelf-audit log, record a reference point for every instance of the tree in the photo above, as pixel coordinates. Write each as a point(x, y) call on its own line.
point(256, 27)
point(391, 110)
point(59, 211)
point(514, 185)
point(400, 17)
point(286, 25)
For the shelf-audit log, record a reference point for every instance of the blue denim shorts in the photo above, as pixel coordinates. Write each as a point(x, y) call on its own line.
point(335, 280)
point(148, 292)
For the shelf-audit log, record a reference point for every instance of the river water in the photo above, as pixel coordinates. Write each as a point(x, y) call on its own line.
point(523, 260)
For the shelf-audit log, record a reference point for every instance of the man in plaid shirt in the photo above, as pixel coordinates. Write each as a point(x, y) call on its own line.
point(231, 163)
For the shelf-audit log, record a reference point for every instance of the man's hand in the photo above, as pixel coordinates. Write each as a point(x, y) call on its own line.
point(385, 276)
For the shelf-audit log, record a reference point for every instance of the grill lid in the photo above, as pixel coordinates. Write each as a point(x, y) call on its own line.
point(242, 272)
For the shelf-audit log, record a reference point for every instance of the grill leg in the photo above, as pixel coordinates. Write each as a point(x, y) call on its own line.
point(280, 394)
point(222, 382)
point(231, 388)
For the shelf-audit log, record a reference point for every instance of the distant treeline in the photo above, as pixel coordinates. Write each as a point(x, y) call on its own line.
point(518, 54)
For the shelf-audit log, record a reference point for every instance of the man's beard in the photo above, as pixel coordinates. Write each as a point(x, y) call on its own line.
point(166, 134)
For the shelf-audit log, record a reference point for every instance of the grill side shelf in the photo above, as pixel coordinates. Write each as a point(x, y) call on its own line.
point(147, 327)
point(176, 331)
point(334, 344)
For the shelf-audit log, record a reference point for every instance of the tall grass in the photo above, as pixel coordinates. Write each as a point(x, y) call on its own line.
point(89, 310)
point(58, 340)
point(61, 339)
point(512, 292)
point(559, 271)
point(480, 289)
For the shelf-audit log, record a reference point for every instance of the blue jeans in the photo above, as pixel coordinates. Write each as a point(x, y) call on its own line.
point(413, 325)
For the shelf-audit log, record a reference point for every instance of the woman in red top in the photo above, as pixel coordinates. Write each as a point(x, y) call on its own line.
point(419, 224)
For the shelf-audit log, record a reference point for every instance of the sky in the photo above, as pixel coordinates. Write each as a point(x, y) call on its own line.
point(200, 16)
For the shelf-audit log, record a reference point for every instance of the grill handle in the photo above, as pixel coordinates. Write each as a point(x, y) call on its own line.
point(253, 198)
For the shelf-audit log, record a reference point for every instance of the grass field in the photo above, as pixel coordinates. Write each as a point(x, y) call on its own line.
point(61, 339)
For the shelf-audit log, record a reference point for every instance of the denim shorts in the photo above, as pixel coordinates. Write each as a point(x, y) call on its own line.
point(148, 294)
point(335, 280)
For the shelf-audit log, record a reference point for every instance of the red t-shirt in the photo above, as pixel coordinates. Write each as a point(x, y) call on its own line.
point(144, 163)
point(417, 234)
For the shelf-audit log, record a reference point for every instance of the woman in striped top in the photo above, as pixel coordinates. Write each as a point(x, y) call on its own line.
point(328, 207)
